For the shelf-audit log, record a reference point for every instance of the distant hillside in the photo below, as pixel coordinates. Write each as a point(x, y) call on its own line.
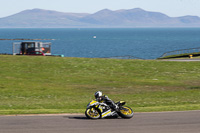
point(39, 18)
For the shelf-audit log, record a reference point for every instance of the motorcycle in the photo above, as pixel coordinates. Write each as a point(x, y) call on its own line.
point(97, 110)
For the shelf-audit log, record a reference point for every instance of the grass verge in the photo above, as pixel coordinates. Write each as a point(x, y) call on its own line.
point(36, 85)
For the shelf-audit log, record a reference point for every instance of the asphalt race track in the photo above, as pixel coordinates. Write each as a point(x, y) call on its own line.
point(166, 122)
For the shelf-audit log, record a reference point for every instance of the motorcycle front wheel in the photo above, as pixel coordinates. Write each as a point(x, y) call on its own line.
point(92, 113)
point(126, 112)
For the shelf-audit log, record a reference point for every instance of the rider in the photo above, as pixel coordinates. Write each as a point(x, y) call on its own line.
point(100, 98)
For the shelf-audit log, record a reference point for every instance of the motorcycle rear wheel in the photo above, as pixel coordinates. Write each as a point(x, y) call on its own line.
point(126, 112)
point(92, 113)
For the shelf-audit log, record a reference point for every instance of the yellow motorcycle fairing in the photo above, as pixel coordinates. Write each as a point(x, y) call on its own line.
point(97, 105)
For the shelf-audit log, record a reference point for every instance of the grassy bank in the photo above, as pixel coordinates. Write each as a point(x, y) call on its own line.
point(65, 85)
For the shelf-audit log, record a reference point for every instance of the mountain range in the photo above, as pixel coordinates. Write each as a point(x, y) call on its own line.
point(137, 17)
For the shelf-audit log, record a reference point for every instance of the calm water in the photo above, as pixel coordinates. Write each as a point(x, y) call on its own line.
point(147, 43)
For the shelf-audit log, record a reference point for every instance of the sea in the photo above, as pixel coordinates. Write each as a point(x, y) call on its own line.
point(142, 43)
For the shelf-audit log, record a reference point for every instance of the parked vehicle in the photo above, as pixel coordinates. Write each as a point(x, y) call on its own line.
point(36, 53)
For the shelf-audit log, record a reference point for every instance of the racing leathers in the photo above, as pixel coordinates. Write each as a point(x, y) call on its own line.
point(108, 101)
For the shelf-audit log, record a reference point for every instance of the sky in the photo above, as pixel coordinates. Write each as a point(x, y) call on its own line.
point(172, 8)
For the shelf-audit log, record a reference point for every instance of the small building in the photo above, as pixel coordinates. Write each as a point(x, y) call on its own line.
point(27, 48)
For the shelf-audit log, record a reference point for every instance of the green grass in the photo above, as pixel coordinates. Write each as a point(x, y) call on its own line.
point(32, 85)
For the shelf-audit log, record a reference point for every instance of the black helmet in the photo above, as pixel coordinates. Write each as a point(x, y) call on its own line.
point(98, 94)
